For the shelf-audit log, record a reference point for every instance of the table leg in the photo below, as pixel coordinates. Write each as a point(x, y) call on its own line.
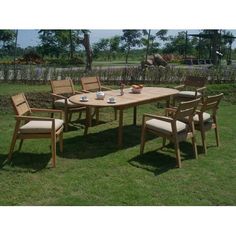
point(168, 102)
point(88, 120)
point(120, 129)
point(97, 114)
point(135, 116)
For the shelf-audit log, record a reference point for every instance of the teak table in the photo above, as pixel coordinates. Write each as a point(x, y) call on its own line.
point(127, 100)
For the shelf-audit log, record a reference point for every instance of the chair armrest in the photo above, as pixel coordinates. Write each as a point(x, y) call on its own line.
point(28, 118)
point(58, 96)
point(105, 88)
point(78, 92)
point(163, 118)
point(171, 110)
point(179, 86)
point(198, 112)
point(85, 91)
point(47, 110)
point(200, 89)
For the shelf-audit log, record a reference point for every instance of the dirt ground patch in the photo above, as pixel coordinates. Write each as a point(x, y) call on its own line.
point(39, 100)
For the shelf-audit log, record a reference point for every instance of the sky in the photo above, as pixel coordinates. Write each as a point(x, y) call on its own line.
point(30, 37)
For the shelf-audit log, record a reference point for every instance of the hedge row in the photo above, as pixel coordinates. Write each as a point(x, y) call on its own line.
point(115, 75)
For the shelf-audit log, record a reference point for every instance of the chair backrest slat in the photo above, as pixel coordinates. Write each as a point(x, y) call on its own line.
point(186, 109)
point(20, 104)
point(62, 86)
point(195, 81)
point(212, 103)
point(90, 83)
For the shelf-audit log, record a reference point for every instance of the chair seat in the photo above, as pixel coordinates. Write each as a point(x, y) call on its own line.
point(188, 94)
point(40, 127)
point(206, 117)
point(165, 127)
point(61, 103)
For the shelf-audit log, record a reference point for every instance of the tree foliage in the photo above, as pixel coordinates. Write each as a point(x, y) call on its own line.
point(130, 39)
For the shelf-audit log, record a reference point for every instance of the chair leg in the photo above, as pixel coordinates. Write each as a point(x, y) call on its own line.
point(20, 146)
point(177, 153)
point(61, 141)
point(115, 112)
point(163, 142)
point(13, 142)
point(80, 114)
point(97, 115)
point(203, 136)
point(194, 147)
point(53, 150)
point(217, 137)
point(143, 137)
point(66, 120)
point(69, 117)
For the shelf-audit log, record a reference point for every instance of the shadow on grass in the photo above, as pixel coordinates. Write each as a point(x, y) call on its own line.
point(26, 162)
point(99, 144)
point(162, 160)
point(80, 124)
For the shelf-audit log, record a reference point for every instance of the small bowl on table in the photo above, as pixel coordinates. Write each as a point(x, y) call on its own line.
point(100, 95)
point(136, 88)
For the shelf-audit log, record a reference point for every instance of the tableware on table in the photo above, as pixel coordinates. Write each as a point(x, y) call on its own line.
point(136, 88)
point(83, 98)
point(111, 100)
point(100, 95)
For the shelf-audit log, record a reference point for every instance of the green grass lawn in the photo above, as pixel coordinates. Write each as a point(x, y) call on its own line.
point(92, 171)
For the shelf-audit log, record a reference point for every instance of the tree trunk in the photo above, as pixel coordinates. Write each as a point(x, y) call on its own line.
point(214, 47)
point(127, 55)
point(15, 48)
point(71, 45)
point(88, 50)
point(148, 44)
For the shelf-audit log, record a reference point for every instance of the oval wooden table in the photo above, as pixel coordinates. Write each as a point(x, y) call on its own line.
point(127, 100)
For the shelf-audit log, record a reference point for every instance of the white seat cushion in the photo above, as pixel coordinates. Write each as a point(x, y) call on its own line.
point(165, 127)
point(188, 94)
point(40, 127)
point(61, 103)
point(206, 117)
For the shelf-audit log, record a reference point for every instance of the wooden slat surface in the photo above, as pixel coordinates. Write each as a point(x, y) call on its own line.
point(62, 86)
point(129, 98)
point(90, 83)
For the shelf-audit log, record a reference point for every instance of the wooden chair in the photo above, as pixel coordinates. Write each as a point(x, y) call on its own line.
point(171, 128)
point(34, 127)
point(193, 87)
point(206, 119)
point(61, 90)
point(93, 84)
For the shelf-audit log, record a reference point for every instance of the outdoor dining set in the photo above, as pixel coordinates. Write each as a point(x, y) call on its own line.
point(187, 110)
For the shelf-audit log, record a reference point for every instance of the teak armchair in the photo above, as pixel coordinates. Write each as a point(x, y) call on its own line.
point(206, 119)
point(34, 127)
point(61, 90)
point(193, 87)
point(171, 128)
point(93, 84)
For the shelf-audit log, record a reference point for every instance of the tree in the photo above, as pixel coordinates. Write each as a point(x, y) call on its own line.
point(130, 39)
point(149, 40)
point(85, 41)
point(49, 44)
point(7, 38)
point(57, 42)
point(177, 44)
point(110, 46)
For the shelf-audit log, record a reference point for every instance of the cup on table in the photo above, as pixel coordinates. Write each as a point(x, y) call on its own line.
point(84, 98)
point(111, 99)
